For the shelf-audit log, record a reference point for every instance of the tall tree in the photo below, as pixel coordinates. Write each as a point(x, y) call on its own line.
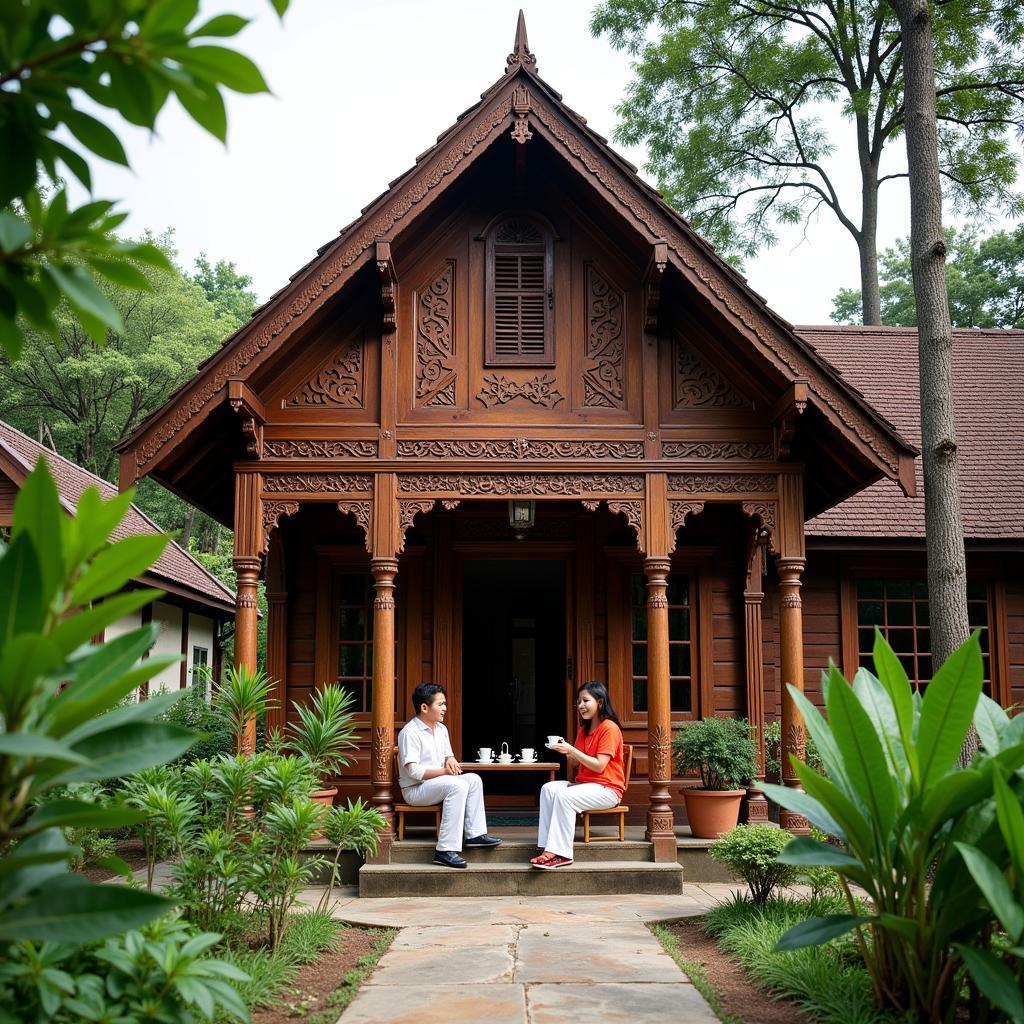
point(728, 98)
point(229, 291)
point(947, 563)
point(984, 278)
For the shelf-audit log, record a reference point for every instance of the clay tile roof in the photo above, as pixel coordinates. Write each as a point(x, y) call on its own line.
point(175, 565)
point(988, 369)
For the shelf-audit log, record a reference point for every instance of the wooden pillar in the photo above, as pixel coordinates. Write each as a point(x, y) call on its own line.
point(753, 596)
point(660, 825)
point(277, 631)
point(384, 572)
point(248, 543)
point(790, 566)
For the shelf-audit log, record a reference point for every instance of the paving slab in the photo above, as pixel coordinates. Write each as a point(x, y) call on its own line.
point(443, 1004)
point(481, 965)
point(617, 1004)
point(460, 936)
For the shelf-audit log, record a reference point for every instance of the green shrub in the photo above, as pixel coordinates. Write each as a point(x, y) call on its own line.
point(193, 712)
point(773, 752)
point(719, 750)
point(751, 852)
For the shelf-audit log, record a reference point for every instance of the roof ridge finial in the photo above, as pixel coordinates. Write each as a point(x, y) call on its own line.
point(520, 55)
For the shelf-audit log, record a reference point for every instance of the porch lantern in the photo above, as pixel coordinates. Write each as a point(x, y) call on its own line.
point(521, 516)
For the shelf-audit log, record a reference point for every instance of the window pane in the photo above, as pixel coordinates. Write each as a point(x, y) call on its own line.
point(977, 590)
point(682, 695)
point(923, 613)
point(352, 624)
point(983, 640)
point(678, 590)
point(679, 623)
point(907, 661)
point(865, 641)
point(639, 623)
point(350, 660)
point(869, 588)
point(900, 613)
point(901, 640)
point(639, 659)
point(899, 590)
point(679, 659)
point(924, 641)
point(921, 589)
point(870, 613)
point(353, 588)
point(924, 668)
point(977, 613)
point(639, 694)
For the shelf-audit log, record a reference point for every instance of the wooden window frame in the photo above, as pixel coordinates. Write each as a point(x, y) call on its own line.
point(491, 356)
point(694, 563)
point(985, 571)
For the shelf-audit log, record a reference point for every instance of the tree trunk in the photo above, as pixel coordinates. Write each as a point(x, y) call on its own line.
point(867, 244)
point(947, 570)
point(186, 528)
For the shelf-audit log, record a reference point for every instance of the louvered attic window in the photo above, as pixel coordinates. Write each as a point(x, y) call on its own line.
point(520, 296)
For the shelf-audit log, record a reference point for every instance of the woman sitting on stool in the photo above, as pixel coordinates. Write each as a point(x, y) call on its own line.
point(600, 776)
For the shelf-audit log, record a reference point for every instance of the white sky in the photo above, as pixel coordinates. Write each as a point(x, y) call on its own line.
point(359, 90)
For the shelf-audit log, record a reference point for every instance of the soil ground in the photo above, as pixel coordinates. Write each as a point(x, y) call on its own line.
point(129, 850)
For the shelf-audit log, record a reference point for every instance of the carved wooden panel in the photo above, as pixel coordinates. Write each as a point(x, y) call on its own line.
point(724, 450)
point(540, 390)
point(521, 483)
point(722, 483)
point(326, 449)
point(435, 341)
point(697, 384)
point(606, 349)
point(338, 382)
point(316, 483)
point(363, 512)
point(521, 448)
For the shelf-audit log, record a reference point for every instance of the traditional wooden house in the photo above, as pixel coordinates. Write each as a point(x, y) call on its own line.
point(518, 427)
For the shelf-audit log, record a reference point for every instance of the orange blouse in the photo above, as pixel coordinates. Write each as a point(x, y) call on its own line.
point(605, 739)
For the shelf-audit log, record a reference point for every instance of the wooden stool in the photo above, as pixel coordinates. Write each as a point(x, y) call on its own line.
point(620, 810)
point(401, 810)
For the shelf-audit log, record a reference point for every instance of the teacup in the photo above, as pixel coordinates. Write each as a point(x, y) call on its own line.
point(484, 753)
point(528, 754)
point(552, 740)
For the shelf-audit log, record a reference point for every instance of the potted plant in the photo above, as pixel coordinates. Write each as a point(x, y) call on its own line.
point(325, 729)
point(722, 753)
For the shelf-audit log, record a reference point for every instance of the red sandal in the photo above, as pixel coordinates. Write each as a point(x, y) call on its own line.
point(550, 862)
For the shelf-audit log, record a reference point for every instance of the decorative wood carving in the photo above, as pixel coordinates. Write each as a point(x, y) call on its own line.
point(338, 382)
point(407, 512)
point(658, 755)
point(679, 510)
point(317, 483)
point(388, 289)
point(272, 512)
point(652, 286)
point(521, 483)
point(247, 404)
point(698, 384)
point(451, 504)
point(252, 431)
point(499, 389)
point(381, 769)
point(634, 513)
point(724, 450)
point(590, 506)
point(797, 742)
point(363, 512)
point(521, 108)
point(663, 825)
point(320, 449)
point(521, 448)
point(784, 415)
point(488, 528)
point(757, 810)
point(435, 341)
point(791, 600)
point(766, 513)
point(520, 55)
point(606, 347)
point(722, 483)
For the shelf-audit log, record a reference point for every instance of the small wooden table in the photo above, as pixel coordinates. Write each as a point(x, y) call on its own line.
point(551, 767)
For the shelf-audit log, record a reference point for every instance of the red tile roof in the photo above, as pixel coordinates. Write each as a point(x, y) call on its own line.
point(175, 565)
point(988, 373)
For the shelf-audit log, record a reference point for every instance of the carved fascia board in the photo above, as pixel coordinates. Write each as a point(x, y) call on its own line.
point(784, 414)
point(652, 286)
point(526, 485)
point(388, 289)
point(363, 512)
point(247, 404)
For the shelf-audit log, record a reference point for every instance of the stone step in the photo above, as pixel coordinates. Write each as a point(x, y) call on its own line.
point(597, 878)
point(517, 851)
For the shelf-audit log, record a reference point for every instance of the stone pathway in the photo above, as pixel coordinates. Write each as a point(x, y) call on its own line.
point(526, 960)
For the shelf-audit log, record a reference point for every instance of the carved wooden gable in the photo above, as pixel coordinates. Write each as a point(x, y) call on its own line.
point(338, 381)
point(697, 384)
point(605, 367)
point(436, 370)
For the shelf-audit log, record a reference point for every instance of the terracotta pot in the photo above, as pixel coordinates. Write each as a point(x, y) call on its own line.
point(712, 812)
point(325, 797)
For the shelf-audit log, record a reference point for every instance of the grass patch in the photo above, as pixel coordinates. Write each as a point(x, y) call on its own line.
point(306, 937)
point(346, 991)
point(696, 973)
point(828, 982)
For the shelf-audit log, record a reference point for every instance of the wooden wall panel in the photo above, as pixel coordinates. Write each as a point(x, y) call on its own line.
point(822, 619)
point(1014, 577)
point(8, 492)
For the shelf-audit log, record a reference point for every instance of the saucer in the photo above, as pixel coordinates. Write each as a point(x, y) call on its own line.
point(523, 760)
point(484, 760)
point(550, 746)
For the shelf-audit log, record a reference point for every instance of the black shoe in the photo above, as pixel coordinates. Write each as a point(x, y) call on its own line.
point(448, 859)
point(484, 840)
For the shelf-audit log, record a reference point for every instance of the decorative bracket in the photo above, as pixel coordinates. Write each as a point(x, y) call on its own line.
point(246, 403)
point(678, 512)
point(765, 515)
point(363, 512)
point(784, 415)
point(634, 513)
point(407, 512)
point(388, 288)
point(652, 285)
point(521, 108)
point(272, 512)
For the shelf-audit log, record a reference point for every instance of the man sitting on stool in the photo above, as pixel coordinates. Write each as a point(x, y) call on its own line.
point(430, 774)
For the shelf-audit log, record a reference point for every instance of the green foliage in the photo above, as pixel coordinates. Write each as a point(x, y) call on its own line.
point(894, 796)
point(325, 729)
point(127, 56)
point(228, 290)
point(356, 827)
point(63, 711)
point(242, 696)
point(719, 750)
point(773, 752)
point(194, 712)
point(161, 972)
point(828, 982)
point(984, 277)
point(751, 852)
point(728, 101)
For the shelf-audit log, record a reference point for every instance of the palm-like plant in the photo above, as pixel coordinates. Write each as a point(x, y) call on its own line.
point(243, 695)
point(324, 731)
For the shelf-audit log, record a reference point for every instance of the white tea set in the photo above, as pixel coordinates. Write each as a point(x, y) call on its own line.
point(485, 755)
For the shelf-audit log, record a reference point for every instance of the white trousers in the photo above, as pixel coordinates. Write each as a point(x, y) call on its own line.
point(462, 813)
point(560, 802)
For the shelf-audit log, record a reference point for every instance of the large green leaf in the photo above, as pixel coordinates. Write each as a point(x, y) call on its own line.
point(819, 930)
point(126, 749)
point(856, 829)
point(22, 603)
point(37, 745)
point(807, 852)
point(23, 662)
point(83, 293)
point(79, 629)
point(113, 568)
point(994, 980)
point(80, 814)
point(1010, 816)
point(219, 64)
point(137, 711)
point(863, 756)
point(893, 678)
point(941, 803)
point(801, 803)
point(877, 704)
point(87, 912)
point(95, 520)
point(821, 733)
point(947, 709)
point(95, 135)
point(990, 720)
point(38, 513)
point(32, 863)
point(996, 890)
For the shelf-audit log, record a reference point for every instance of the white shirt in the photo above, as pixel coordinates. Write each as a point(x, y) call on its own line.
point(420, 748)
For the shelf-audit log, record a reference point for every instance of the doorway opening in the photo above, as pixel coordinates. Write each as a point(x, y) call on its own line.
point(513, 664)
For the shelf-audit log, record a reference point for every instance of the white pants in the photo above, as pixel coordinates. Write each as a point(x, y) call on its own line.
point(462, 813)
point(560, 802)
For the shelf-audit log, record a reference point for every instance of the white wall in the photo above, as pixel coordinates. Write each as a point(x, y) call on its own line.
point(200, 634)
point(167, 619)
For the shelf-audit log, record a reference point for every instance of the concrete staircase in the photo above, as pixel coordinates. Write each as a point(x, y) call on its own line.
point(600, 869)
